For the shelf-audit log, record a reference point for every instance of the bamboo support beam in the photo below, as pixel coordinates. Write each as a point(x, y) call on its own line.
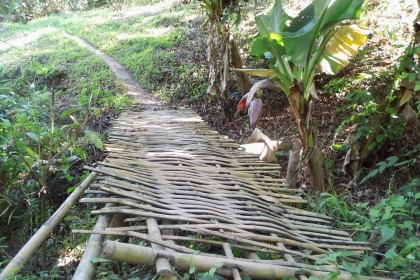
point(163, 268)
point(228, 252)
point(16, 264)
point(146, 256)
point(86, 269)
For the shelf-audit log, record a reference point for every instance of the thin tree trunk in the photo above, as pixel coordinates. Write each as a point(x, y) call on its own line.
point(244, 83)
point(417, 26)
point(302, 111)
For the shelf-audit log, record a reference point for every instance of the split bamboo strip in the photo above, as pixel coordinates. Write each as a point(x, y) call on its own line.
point(16, 264)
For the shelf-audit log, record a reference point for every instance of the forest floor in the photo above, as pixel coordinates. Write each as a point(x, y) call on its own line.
point(163, 48)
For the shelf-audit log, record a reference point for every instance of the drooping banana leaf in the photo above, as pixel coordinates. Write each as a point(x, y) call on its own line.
point(341, 47)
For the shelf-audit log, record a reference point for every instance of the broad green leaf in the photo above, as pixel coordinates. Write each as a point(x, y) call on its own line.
point(257, 72)
point(300, 38)
point(29, 162)
point(341, 47)
point(193, 269)
point(390, 254)
point(31, 153)
point(80, 152)
point(397, 201)
point(32, 136)
point(348, 267)
point(5, 122)
point(387, 233)
point(388, 214)
point(374, 213)
point(94, 139)
point(417, 86)
point(273, 21)
point(391, 160)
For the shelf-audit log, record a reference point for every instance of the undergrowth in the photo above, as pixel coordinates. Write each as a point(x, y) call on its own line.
point(389, 226)
point(57, 99)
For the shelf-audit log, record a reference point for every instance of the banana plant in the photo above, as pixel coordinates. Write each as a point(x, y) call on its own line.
point(296, 49)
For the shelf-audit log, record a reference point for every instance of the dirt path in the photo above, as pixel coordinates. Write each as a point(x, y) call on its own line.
point(123, 75)
point(25, 39)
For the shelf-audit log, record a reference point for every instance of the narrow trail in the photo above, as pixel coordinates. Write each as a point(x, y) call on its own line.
point(123, 75)
point(25, 39)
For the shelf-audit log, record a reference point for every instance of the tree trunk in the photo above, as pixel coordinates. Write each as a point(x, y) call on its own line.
point(244, 83)
point(312, 151)
point(417, 27)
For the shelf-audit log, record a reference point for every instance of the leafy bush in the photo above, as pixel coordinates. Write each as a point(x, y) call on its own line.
point(390, 227)
point(53, 98)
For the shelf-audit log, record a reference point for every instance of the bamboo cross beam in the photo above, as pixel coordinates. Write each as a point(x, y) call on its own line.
point(145, 256)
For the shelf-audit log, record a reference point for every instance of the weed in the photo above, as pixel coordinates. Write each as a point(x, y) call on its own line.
point(390, 227)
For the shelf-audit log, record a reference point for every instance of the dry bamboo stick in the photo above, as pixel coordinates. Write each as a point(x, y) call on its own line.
point(228, 252)
point(16, 264)
point(242, 240)
point(219, 243)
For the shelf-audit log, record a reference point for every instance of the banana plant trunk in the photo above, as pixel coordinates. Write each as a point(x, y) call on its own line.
point(302, 111)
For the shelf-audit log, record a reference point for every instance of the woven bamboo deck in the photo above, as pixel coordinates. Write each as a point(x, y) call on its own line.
point(172, 182)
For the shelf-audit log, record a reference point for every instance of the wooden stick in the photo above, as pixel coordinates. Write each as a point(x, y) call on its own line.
point(163, 268)
point(228, 252)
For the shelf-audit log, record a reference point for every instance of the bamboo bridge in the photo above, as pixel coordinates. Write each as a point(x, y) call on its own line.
point(170, 180)
point(174, 194)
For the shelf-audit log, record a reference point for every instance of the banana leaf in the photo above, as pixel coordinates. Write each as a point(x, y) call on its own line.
point(299, 39)
point(342, 46)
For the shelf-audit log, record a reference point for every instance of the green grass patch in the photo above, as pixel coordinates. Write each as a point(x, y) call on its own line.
point(163, 49)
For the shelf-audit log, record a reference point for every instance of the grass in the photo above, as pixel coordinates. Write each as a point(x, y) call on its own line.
point(389, 226)
point(162, 49)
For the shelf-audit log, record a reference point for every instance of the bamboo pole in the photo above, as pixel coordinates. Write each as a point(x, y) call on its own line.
point(16, 264)
point(145, 256)
point(86, 269)
point(235, 271)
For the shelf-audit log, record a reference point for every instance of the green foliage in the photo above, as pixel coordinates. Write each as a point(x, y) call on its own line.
point(410, 159)
point(50, 93)
point(380, 118)
point(26, 10)
point(308, 40)
point(390, 227)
